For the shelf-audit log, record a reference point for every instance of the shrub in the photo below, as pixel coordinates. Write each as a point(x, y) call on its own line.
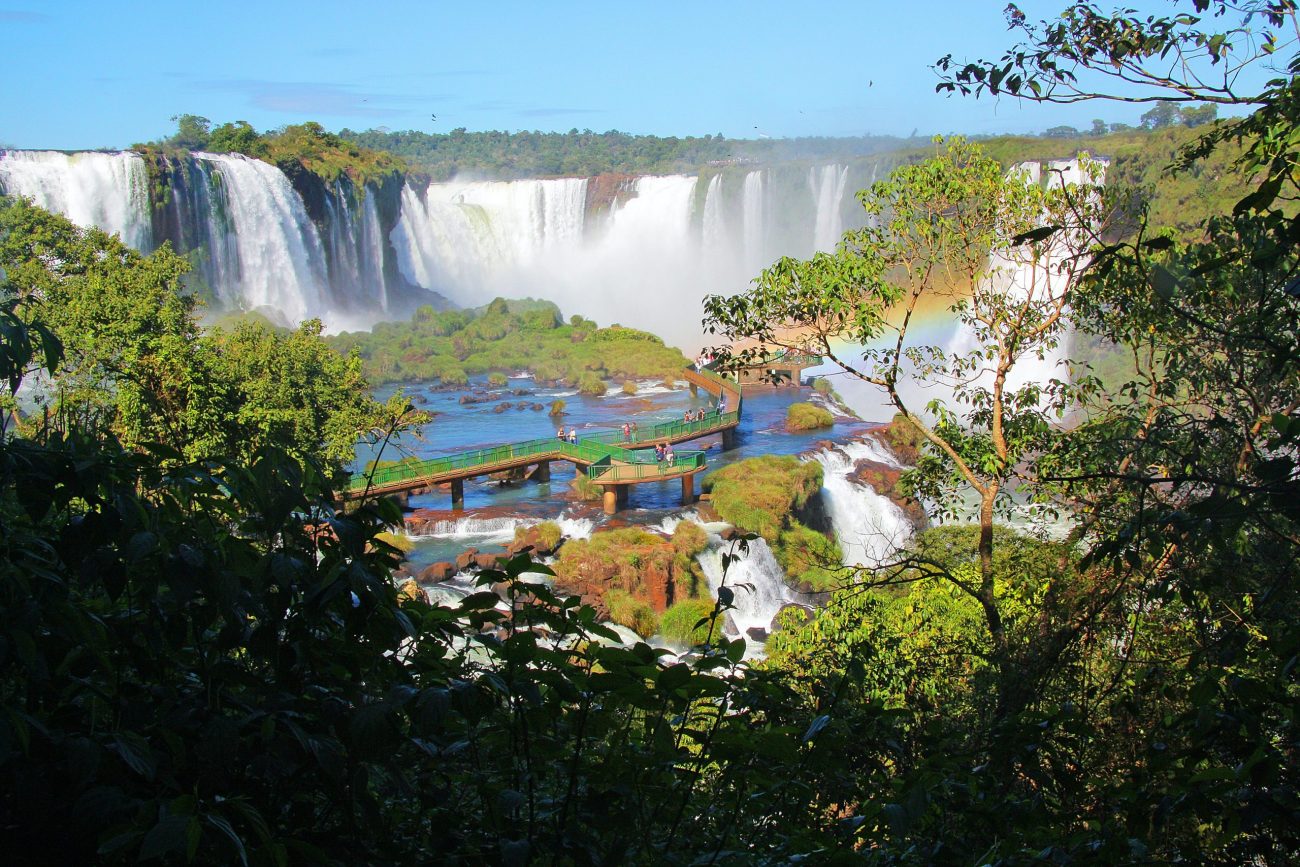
point(544, 536)
point(759, 493)
point(807, 416)
point(679, 623)
point(557, 407)
point(591, 383)
point(808, 557)
point(496, 379)
point(822, 385)
point(690, 538)
point(452, 375)
point(629, 387)
point(626, 610)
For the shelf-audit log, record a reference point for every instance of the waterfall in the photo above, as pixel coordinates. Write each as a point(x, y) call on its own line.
point(827, 185)
point(1016, 275)
point(499, 530)
point(348, 255)
point(714, 222)
point(372, 247)
point(752, 207)
point(281, 261)
point(870, 527)
point(756, 579)
point(109, 191)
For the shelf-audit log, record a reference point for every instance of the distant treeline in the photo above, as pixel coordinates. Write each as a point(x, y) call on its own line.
point(584, 153)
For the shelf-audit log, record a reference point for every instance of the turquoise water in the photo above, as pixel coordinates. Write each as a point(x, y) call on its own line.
point(492, 509)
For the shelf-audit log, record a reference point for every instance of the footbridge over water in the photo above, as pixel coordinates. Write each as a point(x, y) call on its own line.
point(608, 459)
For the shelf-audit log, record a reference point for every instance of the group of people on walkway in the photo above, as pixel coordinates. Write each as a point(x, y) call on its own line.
point(664, 453)
point(571, 437)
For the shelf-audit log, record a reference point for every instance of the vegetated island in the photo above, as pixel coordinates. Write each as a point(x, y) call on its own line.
point(450, 346)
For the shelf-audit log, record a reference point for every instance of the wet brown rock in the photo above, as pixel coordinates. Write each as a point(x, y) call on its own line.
point(437, 572)
point(465, 558)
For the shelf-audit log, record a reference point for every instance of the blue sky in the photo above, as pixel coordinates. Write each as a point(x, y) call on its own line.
point(93, 74)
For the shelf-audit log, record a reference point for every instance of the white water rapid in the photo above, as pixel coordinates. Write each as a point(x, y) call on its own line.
point(756, 580)
point(869, 526)
point(109, 191)
point(281, 261)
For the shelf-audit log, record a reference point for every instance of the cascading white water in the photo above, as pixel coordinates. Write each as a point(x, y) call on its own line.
point(869, 526)
point(756, 580)
point(257, 248)
point(500, 530)
point(1018, 274)
point(109, 191)
point(372, 248)
point(754, 210)
point(281, 261)
point(474, 241)
point(465, 238)
point(827, 184)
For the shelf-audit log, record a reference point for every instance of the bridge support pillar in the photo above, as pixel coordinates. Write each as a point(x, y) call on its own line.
point(458, 494)
point(695, 390)
point(688, 489)
point(611, 499)
point(729, 439)
point(543, 472)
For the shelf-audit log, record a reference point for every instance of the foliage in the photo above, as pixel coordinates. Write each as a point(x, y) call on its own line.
point(689, 538)
point(507, 336)
point(647, 566)
point(293, 148)
point(557, 407)
point(761, 493)
point(585, 153)
point(590, 383)
point(626, 610)
point(629, 386)
point(687, 622)
point(135, 362)
point(544, 535)
point(807, 416)
point(810, 559)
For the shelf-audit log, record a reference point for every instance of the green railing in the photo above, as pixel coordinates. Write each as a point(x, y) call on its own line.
point(410, 470)
point(597, 448)
point(784, 357)
point(648, 469)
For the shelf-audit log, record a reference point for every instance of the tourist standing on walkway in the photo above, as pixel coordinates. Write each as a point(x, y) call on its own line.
point(669, 456)
point(573, 435)
point(627, 432)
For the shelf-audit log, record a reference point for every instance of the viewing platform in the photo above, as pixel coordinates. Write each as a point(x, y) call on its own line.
point(785, 367)
point(607, 458)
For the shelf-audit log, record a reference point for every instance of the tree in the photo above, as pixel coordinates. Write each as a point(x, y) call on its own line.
point(192, 132)
point(136, 363)
point(238, 137)
point(1006, 257)
point(1164, 114)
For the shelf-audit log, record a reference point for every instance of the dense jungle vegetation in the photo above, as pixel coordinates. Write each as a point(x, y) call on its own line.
point(204, 660)
point(451, 345)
